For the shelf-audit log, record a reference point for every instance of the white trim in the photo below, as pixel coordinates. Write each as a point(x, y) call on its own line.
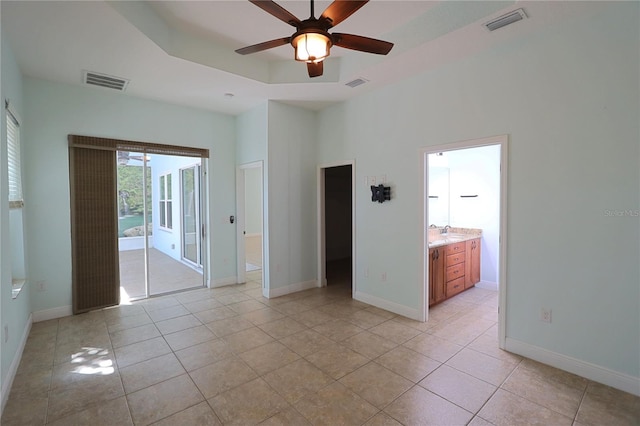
point(53, 313)
point(503, 142)
point(292, 288)
point(396, 308)
point(584, 369)
point(321, 255)
point(241, 220)
point(13, 368)
point(222, 282)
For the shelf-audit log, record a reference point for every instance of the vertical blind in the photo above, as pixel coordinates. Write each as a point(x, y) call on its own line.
point(13, 158)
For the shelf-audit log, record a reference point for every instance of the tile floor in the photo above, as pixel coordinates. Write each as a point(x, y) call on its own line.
point(229, 356)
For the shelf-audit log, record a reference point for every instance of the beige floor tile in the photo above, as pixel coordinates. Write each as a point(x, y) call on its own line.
point(110, 413)
point(262, 316)
point(142, 351)
point(202, 305)
point(366, 319)
point(167, 313)
point(245, 340)
point(376, 384)
point(293, 307)
point(545, 390)
point(31, 382)
point(282, 328)
point(479, 421)
point(382, 419)
point(338, 329)
point(198, 415)
point(460, 388)
point(306, 342)
point(369, 344)
point(433, 347)
point(395, 331)
point(231, 298)
point(337, 360)
point(418, 406)
point(380, 312)
point(287, 417)
point(418, 325)
point(134, 335)
point(88, 366)
point(27, 411)
point(78, 396)
point(150, 372)
point(461, 331)
point(68, 352)
point(155, 303)
point(205, 353)
point(163, 399)
point(215, 314)
point(603, 405)
point(189, 337)
point(488, 345)
point(177, 324)
point(269, 357)
point(296, 380)
point(335, 405)
point(44, 327)
point(119, 323)
point(312, 318)
point(481, 366)
point(248, 404)
point(228, 326)
point(407, 363)
point(246, 306)
point(505, 408)
point(221, 376)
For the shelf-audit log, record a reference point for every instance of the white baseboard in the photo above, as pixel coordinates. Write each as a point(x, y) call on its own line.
point(221, 282)
point(53, 313)
point(291, 288)
point(396, 308)
point(487, 285)
point(13, 368)
point(584, 369)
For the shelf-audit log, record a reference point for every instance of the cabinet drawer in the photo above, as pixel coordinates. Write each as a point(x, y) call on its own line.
point(456, 248)
point(455, 258)
point(455, 286)
point(455, 271)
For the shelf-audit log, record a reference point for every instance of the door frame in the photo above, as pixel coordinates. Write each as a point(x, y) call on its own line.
point(321, 231)
point(503, 142)
point(198, 210)
point(241, 221)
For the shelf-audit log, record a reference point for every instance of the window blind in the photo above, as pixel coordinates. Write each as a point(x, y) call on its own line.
point(13, 158)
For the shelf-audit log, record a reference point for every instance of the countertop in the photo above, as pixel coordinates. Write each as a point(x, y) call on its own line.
point(439, 240)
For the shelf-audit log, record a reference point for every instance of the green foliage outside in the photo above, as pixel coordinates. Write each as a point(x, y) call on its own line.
point(130, 190)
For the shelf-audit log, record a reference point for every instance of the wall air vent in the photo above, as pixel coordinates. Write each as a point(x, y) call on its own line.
point(357, 82)
point(504, 20)
point(103, 80)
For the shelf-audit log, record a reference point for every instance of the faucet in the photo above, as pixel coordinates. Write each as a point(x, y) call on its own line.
point(446, 229)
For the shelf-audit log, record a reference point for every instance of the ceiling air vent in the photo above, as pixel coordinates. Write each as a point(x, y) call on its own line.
point(504, 20)
point(104, 80)
point(357, 82)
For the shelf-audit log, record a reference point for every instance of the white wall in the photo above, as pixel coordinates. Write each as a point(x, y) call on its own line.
point(56, 110)
point(568, 97)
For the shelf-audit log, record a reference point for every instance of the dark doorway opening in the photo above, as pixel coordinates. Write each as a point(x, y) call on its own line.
point(338, 226)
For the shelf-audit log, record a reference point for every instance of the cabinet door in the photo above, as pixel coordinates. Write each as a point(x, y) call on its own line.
point(472, 265)
point(436, 275)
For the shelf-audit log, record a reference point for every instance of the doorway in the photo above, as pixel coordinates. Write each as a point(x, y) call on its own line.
point(250, 223)
point(336, 226)
point(465, 186)
point(160, 245)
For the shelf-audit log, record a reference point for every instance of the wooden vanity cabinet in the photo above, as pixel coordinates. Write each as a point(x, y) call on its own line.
point(472, 263)
point(455, 264)
point(436, 275)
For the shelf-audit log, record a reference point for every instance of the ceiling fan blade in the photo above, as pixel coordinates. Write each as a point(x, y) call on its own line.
point(263, 46)
point(340, 10)
point(278, 11)
point(315, 68)
point(363, 44)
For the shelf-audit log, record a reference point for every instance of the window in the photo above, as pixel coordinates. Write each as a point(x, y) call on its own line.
point(166, 219)
point(13, 158)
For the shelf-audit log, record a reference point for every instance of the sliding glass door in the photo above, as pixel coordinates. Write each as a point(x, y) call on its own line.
point(159, 222)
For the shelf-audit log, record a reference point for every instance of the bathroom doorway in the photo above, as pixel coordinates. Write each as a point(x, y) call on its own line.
point(250, 223)
point(464, 186)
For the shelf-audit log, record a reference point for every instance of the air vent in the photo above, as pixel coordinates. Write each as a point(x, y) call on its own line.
point(504, 20)
point(104, 80)
point(357, 82)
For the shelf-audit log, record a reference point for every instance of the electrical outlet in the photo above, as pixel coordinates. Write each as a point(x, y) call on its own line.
point(545, 315)
point(366, 272)
point(6, 333)
point(383, 277)
point(41, 285)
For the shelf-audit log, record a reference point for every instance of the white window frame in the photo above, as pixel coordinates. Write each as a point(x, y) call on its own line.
point(166, 202)
point(16, 200)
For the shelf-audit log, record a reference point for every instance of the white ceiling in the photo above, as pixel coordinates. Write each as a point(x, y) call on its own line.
point(182, 52)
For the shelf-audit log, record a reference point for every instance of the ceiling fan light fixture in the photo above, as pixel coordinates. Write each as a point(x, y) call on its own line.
point(311, 46)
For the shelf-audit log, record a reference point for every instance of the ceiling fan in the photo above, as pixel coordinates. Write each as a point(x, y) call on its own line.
point(312, 40)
